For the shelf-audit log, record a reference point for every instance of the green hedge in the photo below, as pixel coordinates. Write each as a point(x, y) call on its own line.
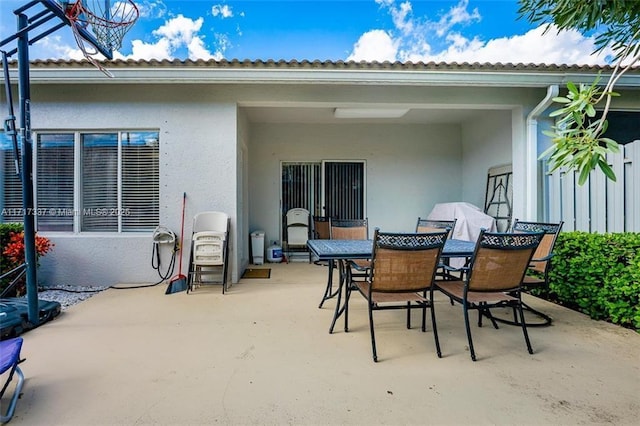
point(599, 275)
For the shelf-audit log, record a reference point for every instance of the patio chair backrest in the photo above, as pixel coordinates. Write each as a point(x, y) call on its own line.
point(321, 228)
point(405, 262)
point(349, 229)
point(500, 260)
point(430, 225)
point(542, 256)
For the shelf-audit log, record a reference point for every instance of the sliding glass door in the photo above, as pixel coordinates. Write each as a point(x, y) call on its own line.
point(330, 188)
point(343, 194)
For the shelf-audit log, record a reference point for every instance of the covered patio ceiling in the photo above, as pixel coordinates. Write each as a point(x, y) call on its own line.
point(325, 115)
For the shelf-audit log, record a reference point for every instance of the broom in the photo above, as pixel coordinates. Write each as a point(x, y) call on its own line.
point(179, 282)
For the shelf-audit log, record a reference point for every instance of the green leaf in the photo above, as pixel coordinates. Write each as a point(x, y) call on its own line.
point(547, 152)
point(612, 145)
point(584, 175)
point(556, 113)
point(607, 170)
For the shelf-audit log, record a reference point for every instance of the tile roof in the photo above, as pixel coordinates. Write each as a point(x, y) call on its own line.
point(331, 65)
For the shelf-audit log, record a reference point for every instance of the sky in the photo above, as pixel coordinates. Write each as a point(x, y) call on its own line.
point(330, 30)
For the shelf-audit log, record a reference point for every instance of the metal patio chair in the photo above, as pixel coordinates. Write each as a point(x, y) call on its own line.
point(493, 279)
point(402, 270)
point(352, 229)
point(537, 276)
point(321, 229)
point(429, 225)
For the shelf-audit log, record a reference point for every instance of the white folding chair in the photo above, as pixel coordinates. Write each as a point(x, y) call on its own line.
point(298, 228)
point(209, 249)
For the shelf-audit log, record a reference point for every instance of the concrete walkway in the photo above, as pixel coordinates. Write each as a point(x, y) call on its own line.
point(262, 355)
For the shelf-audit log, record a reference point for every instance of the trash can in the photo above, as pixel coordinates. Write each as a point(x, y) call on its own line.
point(257, 247)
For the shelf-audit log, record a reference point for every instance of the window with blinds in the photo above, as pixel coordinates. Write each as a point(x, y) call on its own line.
point(99, 194)
point(54, 177)
point(140, 181)
point(10, 185)
point(89, 182)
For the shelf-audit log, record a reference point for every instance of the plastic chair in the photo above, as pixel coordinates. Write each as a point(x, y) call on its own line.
point(493, 279)
point(298, 231)
point(209, 248)
point(403, 270)
point(9, 360)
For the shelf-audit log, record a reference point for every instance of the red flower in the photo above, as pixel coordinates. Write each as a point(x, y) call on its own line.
point(15, 248)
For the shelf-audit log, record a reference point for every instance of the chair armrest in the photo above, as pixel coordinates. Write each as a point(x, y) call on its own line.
point(360, 268)
point(542, 259)
point(452, 269)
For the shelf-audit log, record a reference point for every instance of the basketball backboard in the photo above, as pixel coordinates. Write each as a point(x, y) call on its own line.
point(58, 8)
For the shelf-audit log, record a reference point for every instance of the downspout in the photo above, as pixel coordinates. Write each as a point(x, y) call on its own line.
point(531, 153)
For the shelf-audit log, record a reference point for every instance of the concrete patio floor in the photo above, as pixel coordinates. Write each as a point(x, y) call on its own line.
point(262, 355)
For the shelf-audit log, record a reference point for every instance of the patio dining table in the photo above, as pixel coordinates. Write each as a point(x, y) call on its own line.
point(333, 251)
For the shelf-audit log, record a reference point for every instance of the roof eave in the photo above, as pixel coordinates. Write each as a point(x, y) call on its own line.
point(351, 73)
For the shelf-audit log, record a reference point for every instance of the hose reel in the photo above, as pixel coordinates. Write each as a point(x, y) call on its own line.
point(163, 236)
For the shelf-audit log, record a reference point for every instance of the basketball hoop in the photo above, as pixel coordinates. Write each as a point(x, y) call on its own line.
point(109, 21)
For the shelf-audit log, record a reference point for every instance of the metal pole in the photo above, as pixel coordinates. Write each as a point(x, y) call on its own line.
point(27, 167)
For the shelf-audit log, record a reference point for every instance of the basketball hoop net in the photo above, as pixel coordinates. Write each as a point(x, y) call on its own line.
point(109, 21)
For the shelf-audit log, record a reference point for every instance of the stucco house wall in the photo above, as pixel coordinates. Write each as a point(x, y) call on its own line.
point(409, 168)
point(486, 143)
point(198, 151)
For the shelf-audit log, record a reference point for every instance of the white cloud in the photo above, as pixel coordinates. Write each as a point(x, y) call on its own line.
point(151, 9)
point(179, 30)
point(375, 45)
point(141, 50)
point(535, 46)
point(402, 18)
point(198, 50)
point(458, 14)
point(415, 38)
point(177, 33)
point(222, 10)
point(56, 48)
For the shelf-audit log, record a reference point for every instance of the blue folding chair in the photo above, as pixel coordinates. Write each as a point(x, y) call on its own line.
point(9, 360)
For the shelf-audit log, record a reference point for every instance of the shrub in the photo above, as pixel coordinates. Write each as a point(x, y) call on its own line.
point(12, 245)
point(599, 275)
point(5, 230)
